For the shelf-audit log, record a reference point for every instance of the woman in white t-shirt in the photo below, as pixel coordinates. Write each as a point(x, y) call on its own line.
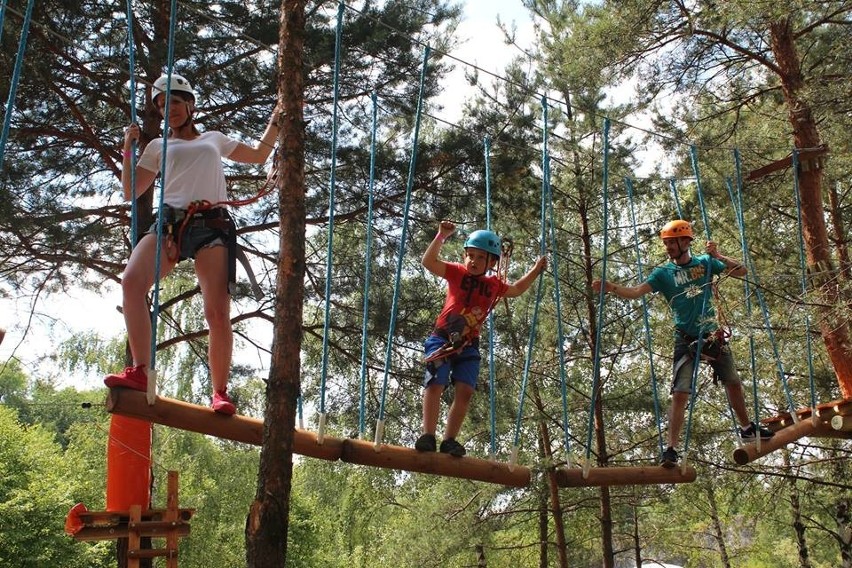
point(193, 174)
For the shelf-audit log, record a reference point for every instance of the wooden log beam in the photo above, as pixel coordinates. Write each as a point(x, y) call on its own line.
point(201, 419)
point(607, 476)
point(805, 156)
point(842, 423)
point(749, 452)
point(121, 530)
point(364, 452)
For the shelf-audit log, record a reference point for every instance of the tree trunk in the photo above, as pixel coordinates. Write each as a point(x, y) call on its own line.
point(834, 323)
point(717, 525)
point(268, 518)
point(480, 557)
point(555, 502)
point(796, 511)
point(844, 529)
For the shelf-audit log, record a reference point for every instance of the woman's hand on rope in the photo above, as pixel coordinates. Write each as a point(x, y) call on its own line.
point(131, 135)
point(540, 265)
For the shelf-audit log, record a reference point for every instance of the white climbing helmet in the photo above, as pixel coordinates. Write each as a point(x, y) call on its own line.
point(178, 83)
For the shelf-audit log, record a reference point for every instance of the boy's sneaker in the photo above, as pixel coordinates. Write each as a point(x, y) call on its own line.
point(222, 403)
point(452, 447)
point(752, 431)
point(669, 458)
point(426, 443)
point(131, 378)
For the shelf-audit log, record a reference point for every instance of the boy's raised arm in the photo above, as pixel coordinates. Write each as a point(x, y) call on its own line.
point(430, 260)
point(524, 282)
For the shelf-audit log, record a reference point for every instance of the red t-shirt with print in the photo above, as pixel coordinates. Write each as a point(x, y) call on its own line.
point(468, 300)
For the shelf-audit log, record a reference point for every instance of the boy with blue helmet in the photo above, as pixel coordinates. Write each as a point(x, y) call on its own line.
point(471, 294)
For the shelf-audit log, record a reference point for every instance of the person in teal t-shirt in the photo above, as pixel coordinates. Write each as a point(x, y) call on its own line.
point(684, 282)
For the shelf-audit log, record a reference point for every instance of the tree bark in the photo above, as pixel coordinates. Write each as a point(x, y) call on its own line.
point(834, 323)
point(268, 518)
point(555, 501)
point(719, 535)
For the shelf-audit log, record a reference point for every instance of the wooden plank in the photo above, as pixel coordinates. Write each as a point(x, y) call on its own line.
point(825, 411)
point(122, 531)
point(608, 476)
point(396, 457)
point(842, 423)
point(750, 452)
point(201, 419)
point(804, 156)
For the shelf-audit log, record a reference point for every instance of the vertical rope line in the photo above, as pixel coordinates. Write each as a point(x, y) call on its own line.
point(131, 56)
point(492, 378)
point(331, 195)
point(542, 243)
point(596, 373)
point(738, 210)
point(560, 331)
point(648, 339)
point(673, 186)
point(368, 263)
point(158, 257)
point(804, 278)
point(767, 323)
point(705, 300)
point(16, 76)
point(404, 234)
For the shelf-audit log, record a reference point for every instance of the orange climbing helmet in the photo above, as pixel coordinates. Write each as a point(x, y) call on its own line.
point(676, 230)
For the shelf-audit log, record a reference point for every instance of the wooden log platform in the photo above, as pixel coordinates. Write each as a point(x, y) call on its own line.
point(201, 419)
point(365, 452)
point(825, 411)
point(805, 427)
point(606, 476)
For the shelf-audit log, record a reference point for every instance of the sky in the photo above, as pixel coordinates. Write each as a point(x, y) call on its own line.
point(32, 338)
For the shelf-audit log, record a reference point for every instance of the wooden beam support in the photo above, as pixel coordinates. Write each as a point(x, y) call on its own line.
point(364, 452)
point(606, 476)
point(749, 452)
point(805, 156)
point(201, 419)
point(842, 423)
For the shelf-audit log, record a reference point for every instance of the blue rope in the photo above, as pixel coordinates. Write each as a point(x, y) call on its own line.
point(596, 373)
point(673, 186)
point(131, 53)
point(545, 161)
point(368, 267)
point(705, 295)
point(804, 280)
point(16, 76)
point(331, 195)
point(738, 210)
point(648, 340)
point(782, 375)
point(560, 332)
point(2, 16)
point(492, 378)
point(158, 256)
point(408, 187)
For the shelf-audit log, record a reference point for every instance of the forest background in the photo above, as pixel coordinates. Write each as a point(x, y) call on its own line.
point(701, 74)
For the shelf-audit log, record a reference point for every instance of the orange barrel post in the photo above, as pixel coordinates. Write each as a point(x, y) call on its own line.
point(128, 463)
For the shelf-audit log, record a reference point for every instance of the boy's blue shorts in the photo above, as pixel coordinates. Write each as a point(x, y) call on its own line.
point(462, 367)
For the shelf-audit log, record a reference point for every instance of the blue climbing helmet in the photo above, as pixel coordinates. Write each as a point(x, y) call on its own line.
point(484, 240)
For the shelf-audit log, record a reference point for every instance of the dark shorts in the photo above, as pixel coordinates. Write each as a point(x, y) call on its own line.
point(724, 369)
point(462, 367)
point(195, 234)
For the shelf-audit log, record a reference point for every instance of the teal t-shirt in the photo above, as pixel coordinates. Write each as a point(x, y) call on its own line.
point(682, 287)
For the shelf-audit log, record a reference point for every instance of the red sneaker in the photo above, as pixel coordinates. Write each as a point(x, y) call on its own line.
point(132, 378)
point(222, 403)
